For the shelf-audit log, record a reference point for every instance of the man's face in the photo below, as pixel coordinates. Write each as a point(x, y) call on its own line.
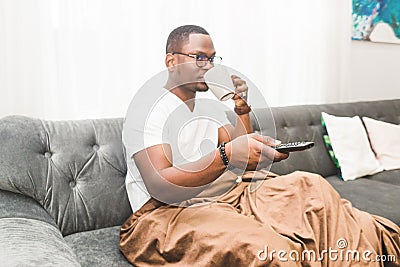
point(187, 74)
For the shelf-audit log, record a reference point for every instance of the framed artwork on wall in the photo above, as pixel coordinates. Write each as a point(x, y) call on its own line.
point(376, 21)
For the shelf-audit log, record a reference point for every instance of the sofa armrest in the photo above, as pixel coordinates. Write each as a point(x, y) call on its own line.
point(29, 236)
point(13, 205)
point(29, 242)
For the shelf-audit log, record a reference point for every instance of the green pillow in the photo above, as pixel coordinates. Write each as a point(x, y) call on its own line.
point(328, 145)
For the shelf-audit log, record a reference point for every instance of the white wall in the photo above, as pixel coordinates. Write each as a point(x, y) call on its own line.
point(85, 59)
point(374, 71)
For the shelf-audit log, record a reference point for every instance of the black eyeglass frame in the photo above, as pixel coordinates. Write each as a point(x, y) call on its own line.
point(201, 60)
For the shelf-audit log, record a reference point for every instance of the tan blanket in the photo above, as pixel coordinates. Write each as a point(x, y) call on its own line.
point(292, 220)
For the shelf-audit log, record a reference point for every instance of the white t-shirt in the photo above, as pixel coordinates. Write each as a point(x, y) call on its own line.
point(160, 117)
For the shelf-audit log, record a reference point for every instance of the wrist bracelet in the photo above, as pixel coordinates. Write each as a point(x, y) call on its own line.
point(242, 110)
point(222, 153)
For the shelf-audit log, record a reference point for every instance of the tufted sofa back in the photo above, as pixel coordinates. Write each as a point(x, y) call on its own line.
point(74, 169)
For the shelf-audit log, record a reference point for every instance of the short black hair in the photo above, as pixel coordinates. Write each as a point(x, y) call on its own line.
point(180, 35)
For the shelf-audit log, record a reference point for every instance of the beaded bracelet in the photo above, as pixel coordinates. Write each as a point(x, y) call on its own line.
point(222, 153)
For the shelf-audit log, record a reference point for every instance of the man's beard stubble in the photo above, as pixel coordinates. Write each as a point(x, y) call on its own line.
point(196, 86)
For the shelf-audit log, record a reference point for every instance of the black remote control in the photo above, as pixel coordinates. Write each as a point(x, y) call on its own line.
point(294, 146)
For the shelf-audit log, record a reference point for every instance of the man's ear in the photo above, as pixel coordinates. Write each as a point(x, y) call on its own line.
point(170, 61)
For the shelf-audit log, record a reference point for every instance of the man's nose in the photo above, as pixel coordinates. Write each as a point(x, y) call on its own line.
point(208, 65)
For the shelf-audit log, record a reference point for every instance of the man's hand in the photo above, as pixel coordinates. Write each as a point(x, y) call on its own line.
point(241, 91)
point(253, 151)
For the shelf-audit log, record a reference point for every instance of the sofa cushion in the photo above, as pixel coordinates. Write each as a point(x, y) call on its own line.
point(385, 140)
point(351, 146)
point(98, 247)
point(370, 195)
point(28, 242)
point(75, 169)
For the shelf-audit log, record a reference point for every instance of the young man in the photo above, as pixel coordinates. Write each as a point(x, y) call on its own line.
point(172, 172)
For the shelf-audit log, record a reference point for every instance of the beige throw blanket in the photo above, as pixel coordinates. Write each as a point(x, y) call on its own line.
point(292, 220)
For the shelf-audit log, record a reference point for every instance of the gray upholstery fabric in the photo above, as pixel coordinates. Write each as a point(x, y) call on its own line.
point(98, 247)
point(14, 205)
point(389, 177)
point(27, 242)
point(372, 196)
point(74, 169)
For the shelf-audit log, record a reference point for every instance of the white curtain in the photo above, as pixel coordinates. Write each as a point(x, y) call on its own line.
point(79, 59)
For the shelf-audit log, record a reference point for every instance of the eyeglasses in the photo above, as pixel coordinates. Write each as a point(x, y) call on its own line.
point(201, 60)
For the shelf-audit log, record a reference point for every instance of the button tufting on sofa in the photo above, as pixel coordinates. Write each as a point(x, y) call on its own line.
point(72, 183)
point(47, 154)
point(96, 147)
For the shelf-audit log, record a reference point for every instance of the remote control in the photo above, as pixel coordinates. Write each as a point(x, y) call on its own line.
point(294, 146)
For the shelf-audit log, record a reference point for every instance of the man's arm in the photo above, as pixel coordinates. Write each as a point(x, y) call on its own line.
point(228, 132)
point(171, 184)
point(243, 122)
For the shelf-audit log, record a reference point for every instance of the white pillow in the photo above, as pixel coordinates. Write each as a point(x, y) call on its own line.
point(385, 141)
point(350, 144)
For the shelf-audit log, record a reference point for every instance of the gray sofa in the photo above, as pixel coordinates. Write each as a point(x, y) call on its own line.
point(62, 190)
